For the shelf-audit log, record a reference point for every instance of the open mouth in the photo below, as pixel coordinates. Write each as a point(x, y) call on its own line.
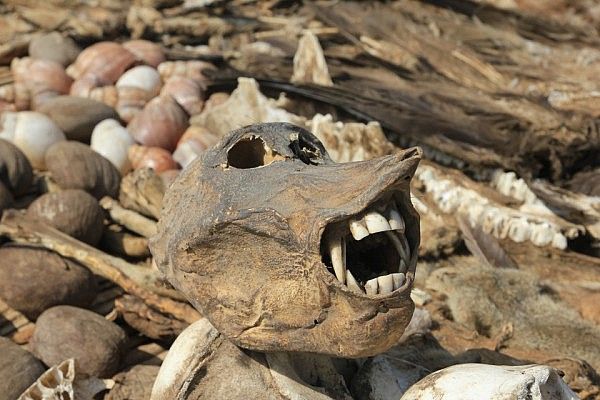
point(369, 252)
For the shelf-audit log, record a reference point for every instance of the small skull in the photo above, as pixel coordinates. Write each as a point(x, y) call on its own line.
point(284, 250)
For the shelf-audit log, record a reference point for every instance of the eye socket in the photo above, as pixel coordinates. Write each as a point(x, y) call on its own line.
point(251, 152)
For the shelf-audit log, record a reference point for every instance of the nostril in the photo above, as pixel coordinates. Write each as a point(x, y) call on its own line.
point(412, 152)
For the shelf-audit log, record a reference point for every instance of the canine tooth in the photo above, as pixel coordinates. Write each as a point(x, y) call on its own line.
point(398, 245)
point(386, 284)
point(337, 250)
point(395, 219)
point(398, 280)
point(371, 286)
point(351, 282)
point(403, 267)
point(358, 230)
point(376, 222)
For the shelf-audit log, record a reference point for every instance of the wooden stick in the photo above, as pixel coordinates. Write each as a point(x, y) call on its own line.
point(14, 324)
point(135, 280)
point(131, 220)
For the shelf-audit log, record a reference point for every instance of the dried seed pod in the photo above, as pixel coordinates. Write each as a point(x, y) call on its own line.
point(71, 211)
point(44, 79)
point(145, 51)
point(192, 69)
point(95, 343)
point(57, 382)
point(74, 165)
point(18, 369)
point(142, 77)
point(77, 116)
point(32, 132)
point(161, 123)
point(34, 279)
point(15, 169)
point(112, 141)
point(186, 92)
point(54, 47)
point(156, 158)
point(104, 60)
point(195, 140)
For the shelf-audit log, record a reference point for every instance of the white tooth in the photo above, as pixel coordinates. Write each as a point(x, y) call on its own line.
point(386, 284)
point(351, 282)
point(395, 219)
point(376, 222)
point(398, 280)
point(337, 250)
point(398, 245)
point(371, 286)
point(358, 230)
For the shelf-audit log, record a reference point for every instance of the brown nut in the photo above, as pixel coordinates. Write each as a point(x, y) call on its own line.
point(74, 165)
point(95, 343)
point(71, 211)
point(33, 279)
point(15, 170)
point(254, 233)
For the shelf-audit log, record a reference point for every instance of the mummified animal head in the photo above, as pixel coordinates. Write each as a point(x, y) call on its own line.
point(284, 250)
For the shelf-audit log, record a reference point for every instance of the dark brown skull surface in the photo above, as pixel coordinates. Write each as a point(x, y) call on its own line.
point(284, 250)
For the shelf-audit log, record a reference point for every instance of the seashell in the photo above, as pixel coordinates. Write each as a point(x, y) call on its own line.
point(142, 77)
point(156, 158)
point(192, 69)
point(54, 47)
point(108, 95)
point(161, 123)
point(148, 52)
point(77, 116)
point(17, 173)
point(131, 102)
point(44, 79)
point(15, 94)
point(72, 211)
point(64, 332)
point(35, 279)
point(74, 165)
point(83, 87)
point(104, 60)
point(186, 92)
point(32, 132)
point(5, 106)
point(112, 141)
point(195, 140)
point(19, 369)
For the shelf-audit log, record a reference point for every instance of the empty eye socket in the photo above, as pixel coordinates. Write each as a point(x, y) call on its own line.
point(251, 152)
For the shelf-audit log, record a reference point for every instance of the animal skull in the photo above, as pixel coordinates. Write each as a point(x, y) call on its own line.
point(284, 250)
